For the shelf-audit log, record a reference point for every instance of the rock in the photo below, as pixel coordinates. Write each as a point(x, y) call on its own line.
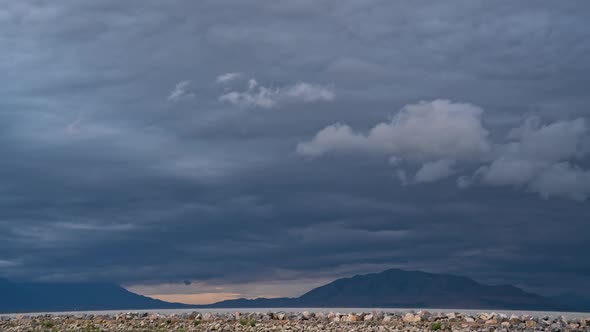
point(375, 321)
point(556, 327)
point(411, 318)
point(306, 315)
point(492, 321)
point(408, 318)
point(573, 326)
point(352, 318)
point(424, 314)
point(378, 315)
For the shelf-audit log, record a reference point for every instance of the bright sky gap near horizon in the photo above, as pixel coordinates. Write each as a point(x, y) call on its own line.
point(202, 151)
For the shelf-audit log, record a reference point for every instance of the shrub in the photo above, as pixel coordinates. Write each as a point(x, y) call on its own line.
point(436, 326)
point(91, 328)
point(250, 322)
point(48, 324)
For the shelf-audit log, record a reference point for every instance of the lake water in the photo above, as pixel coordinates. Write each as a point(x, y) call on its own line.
point(342, 310)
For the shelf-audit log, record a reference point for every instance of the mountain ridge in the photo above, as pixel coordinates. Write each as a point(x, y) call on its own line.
point(401, 288)
point(393, 288)
point(39, 297)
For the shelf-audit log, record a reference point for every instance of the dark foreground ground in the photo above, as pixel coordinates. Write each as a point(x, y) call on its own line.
point(375, 321)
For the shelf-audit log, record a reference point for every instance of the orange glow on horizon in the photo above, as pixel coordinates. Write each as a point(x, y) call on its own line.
point(203, 298)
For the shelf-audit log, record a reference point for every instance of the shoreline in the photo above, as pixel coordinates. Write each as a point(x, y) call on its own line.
point(573, 314)
point(324, 319)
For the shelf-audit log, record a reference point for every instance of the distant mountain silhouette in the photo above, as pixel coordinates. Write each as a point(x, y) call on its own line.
point(388, 289)
point(406, 289)
point(37, 297)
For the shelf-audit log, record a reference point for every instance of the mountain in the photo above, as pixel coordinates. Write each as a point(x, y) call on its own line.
point(406, 289)
point(36, 297)
point(398, 288)
point(388, 289)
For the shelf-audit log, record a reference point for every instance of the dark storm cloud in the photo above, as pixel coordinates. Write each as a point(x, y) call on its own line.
point(122, 160)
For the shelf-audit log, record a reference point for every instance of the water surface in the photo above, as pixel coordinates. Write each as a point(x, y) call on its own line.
point(342, 310)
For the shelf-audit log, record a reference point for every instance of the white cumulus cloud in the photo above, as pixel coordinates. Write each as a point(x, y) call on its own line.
point(439, 139)
point(257, 95)
point(434, 171)
point(538, 158)
point(181, 92)
point(562, 179)
point(227, 77)
point(426, 131)
point(309, 92)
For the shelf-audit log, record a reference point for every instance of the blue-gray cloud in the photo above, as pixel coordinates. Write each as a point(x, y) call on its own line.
point(111, 170)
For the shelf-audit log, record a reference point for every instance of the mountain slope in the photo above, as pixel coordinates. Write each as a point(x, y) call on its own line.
point(31, 297)
point(399, 288)
point(391, 288)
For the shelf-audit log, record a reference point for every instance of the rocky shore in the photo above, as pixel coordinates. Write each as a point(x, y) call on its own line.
point(375, 321)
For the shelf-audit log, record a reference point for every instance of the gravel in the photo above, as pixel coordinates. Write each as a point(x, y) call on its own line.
point(374, 321)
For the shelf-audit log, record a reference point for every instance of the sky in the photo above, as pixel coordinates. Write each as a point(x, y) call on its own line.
point(206, 150)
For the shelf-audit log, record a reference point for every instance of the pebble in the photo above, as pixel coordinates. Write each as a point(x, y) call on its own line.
point(308, 321)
